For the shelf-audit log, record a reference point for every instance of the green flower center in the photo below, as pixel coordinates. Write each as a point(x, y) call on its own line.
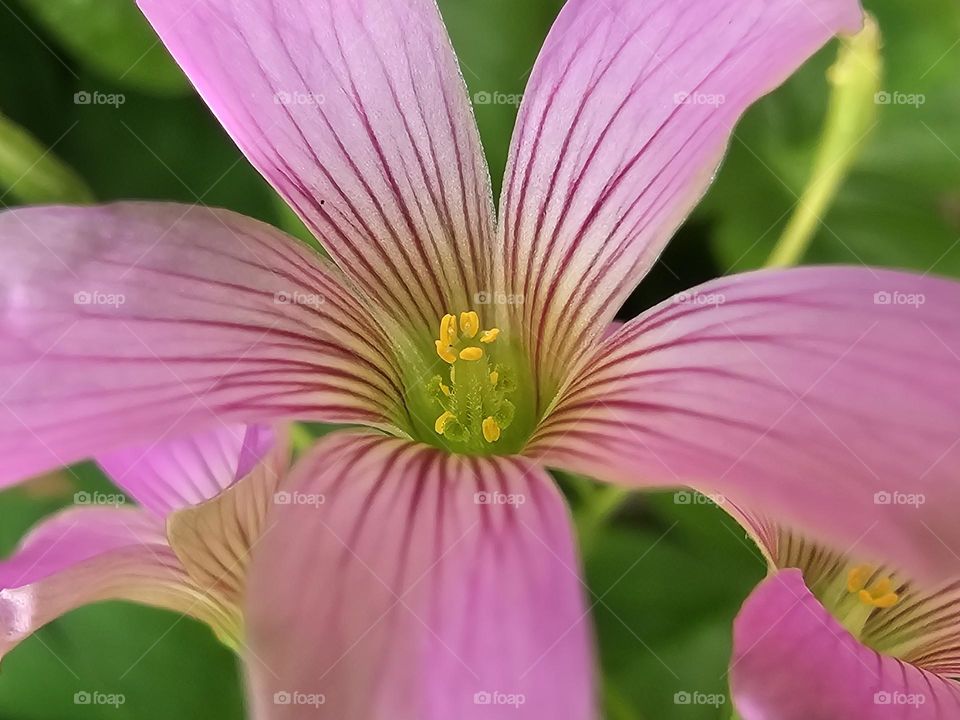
point(472, 396)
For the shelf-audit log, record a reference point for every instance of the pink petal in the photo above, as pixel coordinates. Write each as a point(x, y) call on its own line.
point(391, 589)
point(355, 111)
point(125, 323)
point(84, 555)
point(825, 398)
point(793, 661)
point(216, 539)
point(624, 121)
point(171, 474)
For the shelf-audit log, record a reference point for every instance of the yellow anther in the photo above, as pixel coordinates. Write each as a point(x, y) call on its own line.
point(494, 377)
point(445, 389)
point(448, 329)
point(884, 601)
point(491, 431)
point(469, 323)
point(879, 594)
point(442, 421)
point(471, 353)
point(446, 352)
point(453, 375)
point(489, 335)
point(857, 578)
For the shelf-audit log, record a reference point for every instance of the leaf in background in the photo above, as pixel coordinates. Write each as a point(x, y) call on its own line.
point(497, 42)
point(34, 174)
point(665, 582)
point(163, 664)
point(900, 205)
point(113, 38)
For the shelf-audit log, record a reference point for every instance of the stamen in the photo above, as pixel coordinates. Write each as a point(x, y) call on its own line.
point(443, 420)
point(446, 352)
point(491, 431)
point(857, 578)
point(470, 323)
point(448, 329)
point(476, 410)
point(879, 594)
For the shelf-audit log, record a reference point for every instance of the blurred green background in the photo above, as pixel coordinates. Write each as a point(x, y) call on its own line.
point(666, 577)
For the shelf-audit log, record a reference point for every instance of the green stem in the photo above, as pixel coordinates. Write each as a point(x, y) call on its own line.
point(851, 116)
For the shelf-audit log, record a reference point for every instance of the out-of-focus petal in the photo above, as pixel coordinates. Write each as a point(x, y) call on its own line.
point(356, 112)
point(85, 555)
point(126, 323)
point(921, 628)
point(215, 539)
point(626, 116)
point(826, 398)
point(399, 581)
point(171, 474)
point(793, 661)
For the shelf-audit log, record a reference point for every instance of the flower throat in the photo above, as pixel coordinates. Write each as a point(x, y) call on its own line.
point(474, 399)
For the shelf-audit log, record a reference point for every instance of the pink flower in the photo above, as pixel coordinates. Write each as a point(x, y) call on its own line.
point(438, 578)
point(825, 636)
point(203, 503)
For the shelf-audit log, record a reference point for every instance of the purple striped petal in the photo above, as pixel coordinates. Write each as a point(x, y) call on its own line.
point(168, 475)
point(825, 398)
point(356, 112)
point(623, 123)
point(126, 323)
point(921, 628)
point(85, 555)
point(793, 661)
point(399, 581)
point(215, 539)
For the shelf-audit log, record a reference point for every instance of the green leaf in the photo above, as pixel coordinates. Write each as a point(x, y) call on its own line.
point(113, 38)
point(33, 173)
point(667, 575)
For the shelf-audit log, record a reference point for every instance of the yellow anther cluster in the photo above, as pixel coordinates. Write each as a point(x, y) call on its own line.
point(474, 403)
point(452, 344)
point(879, 594)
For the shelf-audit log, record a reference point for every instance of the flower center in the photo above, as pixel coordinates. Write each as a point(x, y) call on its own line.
point(865, 591)
point(475, 408)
